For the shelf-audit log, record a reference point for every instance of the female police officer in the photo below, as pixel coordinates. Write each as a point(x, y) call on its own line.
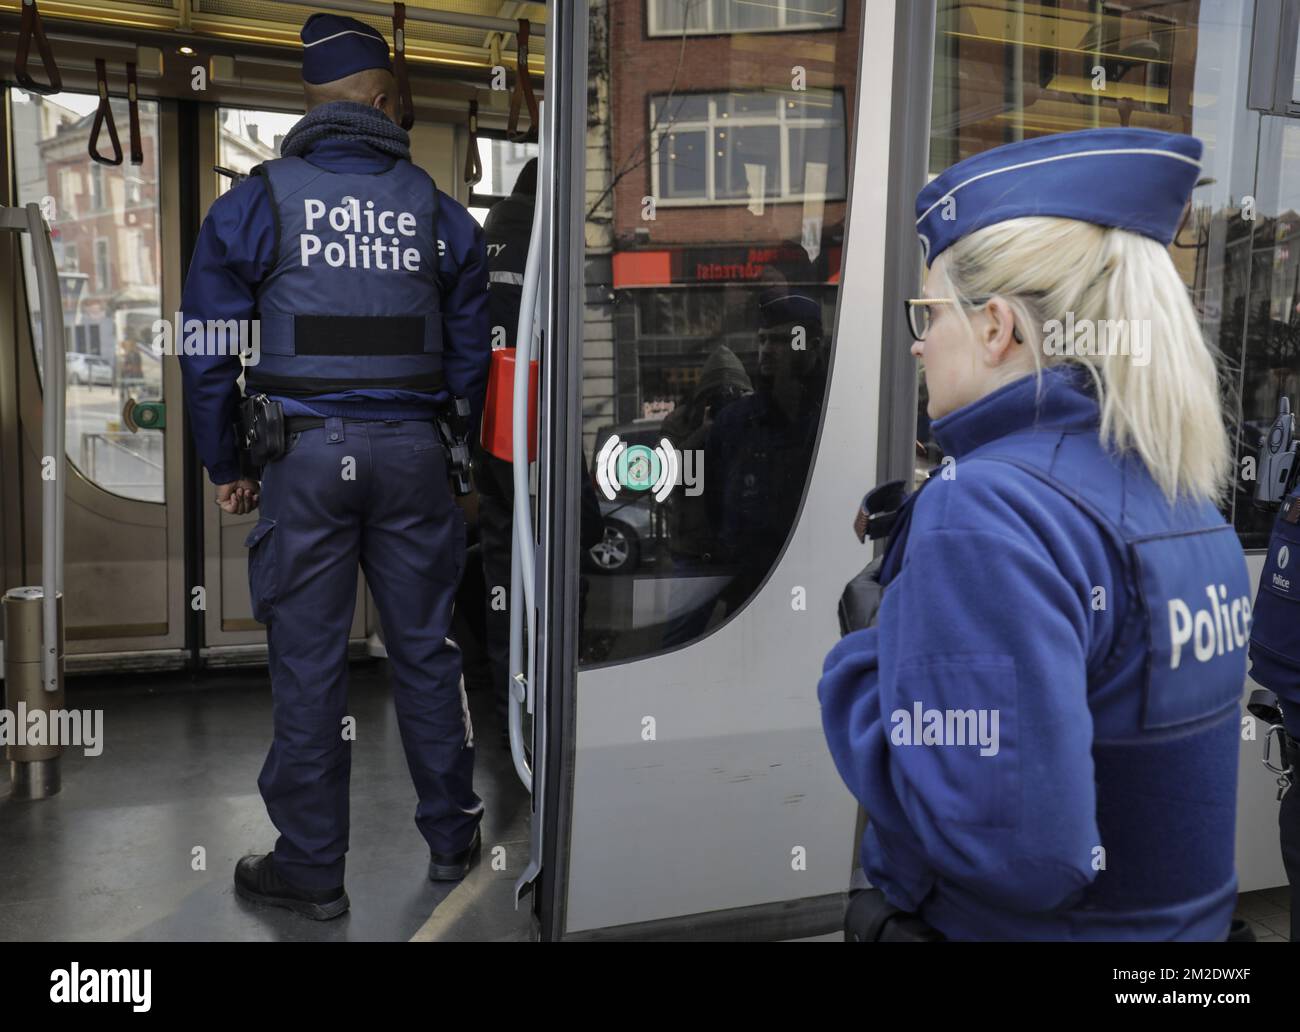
point(1042, 726)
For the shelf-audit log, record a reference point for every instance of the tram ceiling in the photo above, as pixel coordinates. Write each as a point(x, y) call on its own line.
point(251, 52)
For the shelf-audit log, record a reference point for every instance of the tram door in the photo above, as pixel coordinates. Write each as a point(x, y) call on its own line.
point(148, 554)
point(115, 233)
point(710, 384)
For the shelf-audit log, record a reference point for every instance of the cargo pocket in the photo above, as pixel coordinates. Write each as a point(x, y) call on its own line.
point(262, 584)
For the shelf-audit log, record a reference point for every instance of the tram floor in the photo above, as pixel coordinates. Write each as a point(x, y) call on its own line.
point(142, 841)
point(1268, 912)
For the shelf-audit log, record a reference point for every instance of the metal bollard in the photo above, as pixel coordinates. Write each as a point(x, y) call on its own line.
point(33, 769)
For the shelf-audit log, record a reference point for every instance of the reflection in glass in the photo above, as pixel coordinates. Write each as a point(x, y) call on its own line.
point(1007, 70)
point(104, 228)
point(765, 144)
point(1295, 86)
point(713, 244)
point(1262, 317)
point(668, 17)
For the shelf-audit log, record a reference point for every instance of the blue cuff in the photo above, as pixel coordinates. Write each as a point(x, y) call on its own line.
point(225, 473)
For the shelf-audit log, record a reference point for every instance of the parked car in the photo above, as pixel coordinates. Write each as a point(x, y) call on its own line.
point(628, 517)
point(86, 369)
point(627, 527)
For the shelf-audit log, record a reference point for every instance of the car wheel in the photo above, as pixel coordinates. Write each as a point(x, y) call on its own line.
point(618, 551)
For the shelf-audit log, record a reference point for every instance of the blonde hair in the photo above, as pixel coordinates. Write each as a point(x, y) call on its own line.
point(362, 87)
point(1165, 407)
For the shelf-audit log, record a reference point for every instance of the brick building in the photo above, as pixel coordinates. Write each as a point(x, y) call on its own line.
point(718, 164)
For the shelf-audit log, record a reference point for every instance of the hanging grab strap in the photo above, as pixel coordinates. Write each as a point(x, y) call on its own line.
point(133, 110)
point(31, 27)
point(405, 107)
point(473, 161)
point(103, 113)
point(523, 91)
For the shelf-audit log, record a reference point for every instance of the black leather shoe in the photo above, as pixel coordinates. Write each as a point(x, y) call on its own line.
point(256, 880)
point(454, 866)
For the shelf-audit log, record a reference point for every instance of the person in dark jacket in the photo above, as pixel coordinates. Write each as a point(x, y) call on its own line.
point(506, 232)
point(370, 287)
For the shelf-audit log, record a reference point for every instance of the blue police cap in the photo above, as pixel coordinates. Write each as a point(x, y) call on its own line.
point(334, 46)
point(781, 305)
point(1134, 179)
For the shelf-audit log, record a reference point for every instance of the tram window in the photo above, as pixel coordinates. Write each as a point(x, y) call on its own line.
point(714, 229)
point(1007, 70)
point(102, 219)
point(247, 137)
point(502, 161)
point(1262, 314)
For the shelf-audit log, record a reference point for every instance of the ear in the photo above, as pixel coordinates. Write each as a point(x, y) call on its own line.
point(996, 336)
point(384, 102)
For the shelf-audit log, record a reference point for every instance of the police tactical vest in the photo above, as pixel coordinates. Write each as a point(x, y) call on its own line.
point(1165, 697)
point(352, 301)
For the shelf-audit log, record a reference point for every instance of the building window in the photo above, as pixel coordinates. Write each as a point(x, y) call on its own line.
point(673, 17)
point(1295, 78)
point(675, 314)
point(96, 187)
point(738, 148)
point(68, 189)
point(101, 265)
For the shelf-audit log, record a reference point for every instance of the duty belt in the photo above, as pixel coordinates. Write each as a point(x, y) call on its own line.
point(294, 424)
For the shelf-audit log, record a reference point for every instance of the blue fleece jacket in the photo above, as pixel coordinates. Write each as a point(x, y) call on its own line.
point(1040, 663)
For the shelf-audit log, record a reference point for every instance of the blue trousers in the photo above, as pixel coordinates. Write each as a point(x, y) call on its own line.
point(373, 493)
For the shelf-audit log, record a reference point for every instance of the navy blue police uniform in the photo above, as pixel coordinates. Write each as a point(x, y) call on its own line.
point(371, 290)
point(1275, 664)
point(1092, 636)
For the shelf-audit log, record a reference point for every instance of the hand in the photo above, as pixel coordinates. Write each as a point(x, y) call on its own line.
point(239, 496)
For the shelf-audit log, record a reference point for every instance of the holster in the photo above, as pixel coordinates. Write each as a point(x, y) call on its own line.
point(1265, 706)
point(872, 918)
point(260, 430)
point(452, 421)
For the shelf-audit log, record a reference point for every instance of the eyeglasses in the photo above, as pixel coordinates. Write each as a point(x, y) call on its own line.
point(919, 316)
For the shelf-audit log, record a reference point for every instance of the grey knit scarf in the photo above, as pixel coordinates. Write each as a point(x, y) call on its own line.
point(346, 120)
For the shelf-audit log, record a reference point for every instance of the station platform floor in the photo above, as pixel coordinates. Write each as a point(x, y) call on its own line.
point(113, 855)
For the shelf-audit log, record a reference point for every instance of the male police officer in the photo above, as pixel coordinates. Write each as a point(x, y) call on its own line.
point(370, 286)
point(1275, 663)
